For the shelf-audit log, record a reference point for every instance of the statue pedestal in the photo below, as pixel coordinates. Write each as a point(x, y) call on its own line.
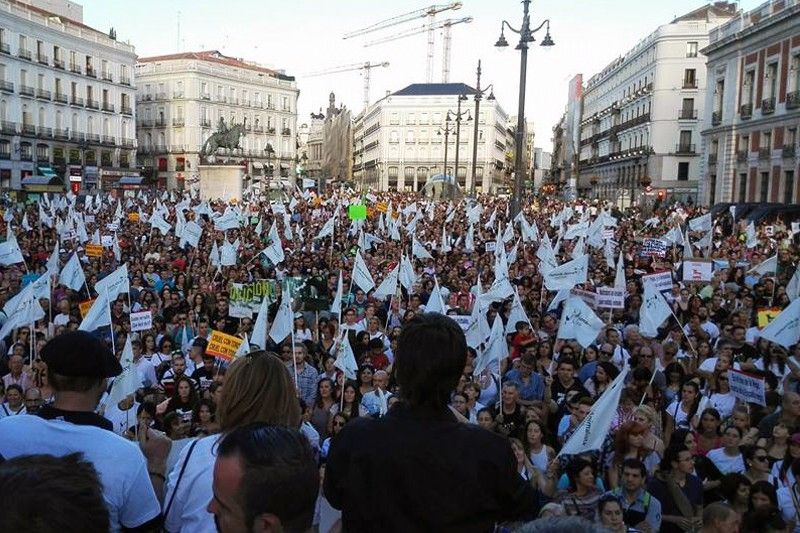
point(221, 182)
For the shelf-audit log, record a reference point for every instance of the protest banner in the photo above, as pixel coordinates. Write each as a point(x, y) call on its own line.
point(112, 227)
point(662, 280)
point(766, 315)
point(610, 298)
point(94, 250)
point(382, 207)
point(141, 321)
point(697, 270)
point(84, 307)
point(223, 345)
point(133, 217)
point(491, 246)
point(608, 233)
point(252, 293)
point(240, 310)
point(357, 212)
point(654, 248)
point(588, 297)
point(747, 387)
point(107, 241)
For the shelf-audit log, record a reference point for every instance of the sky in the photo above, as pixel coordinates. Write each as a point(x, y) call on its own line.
point(305, 36)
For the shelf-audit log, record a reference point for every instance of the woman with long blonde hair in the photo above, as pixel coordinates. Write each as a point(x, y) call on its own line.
point(257, 389)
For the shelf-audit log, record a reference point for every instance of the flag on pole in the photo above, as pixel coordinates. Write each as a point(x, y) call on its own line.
point(336, 305)
point(417, 250)
point(568, 275)
point(27, 312)
point(407, 276)
point(274, 251)
point(579, 322)
point(495, 351)
point(769, 266)
point(10, 253)
point(243, 349)
point(129, 380)
point(389, 284)
point(619, 277)
point(469, 240)
point(793, 287)
point(701, 223)
point(517, 314)
point(115, 283)
point(361, 276)
point(284, 320)
point(99, 314)
point(72, 275)
point(259, 335)
point(592, 432)
point(326, 230)
point(435, 303)
point(213, 257)
point(345, 359)
point(653, 312)
point(784, 328)
point(752, 240)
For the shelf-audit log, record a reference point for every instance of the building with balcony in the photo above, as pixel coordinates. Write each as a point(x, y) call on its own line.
point(750, 139)
point(329, 145)
point(401, 139)
point(66, 96)
point(642, 114)
point(183, 97)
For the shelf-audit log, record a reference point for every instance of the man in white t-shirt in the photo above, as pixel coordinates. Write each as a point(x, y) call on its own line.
point(79, 366)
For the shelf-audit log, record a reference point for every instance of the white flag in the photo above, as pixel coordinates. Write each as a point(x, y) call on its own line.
point(508, 234)
point(546, 255)
point(495, 351)
point(336, 306)
point(701, 223)
point(784, 328)
point(579, 322)
point(115, 283)
point(284, 320)
point(445, 244)
point(99, 314)
point(568, 275)
point(793, 287)
point(191, 234)
point(129, 380)
point(517, 314)
point(435, 303)
point(490, 223)
point(469, 240)
point(244, 348)
point(654, 311)
point(259, 335)
point(619, 277)
point(361, 276)
point(72, 275)
point(752, 239)
point(10, 252)
point(259, 227)
point(478, 329)
point(388, 286)
point(769, 266)
point(213, 257)
point(274, 251)
point(345, 359)
point(157, 221)
point(407, 275)
point(229, 220)
point(327, 229)
point(561, 296)
point(26, 312)
point(227, 253)
point(687, 246)
point(52, 262)
point(417, 250)
point(592, 432)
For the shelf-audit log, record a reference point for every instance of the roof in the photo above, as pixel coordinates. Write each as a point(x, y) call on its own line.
point(214, 56)
point(707, 12)
point(435, 89)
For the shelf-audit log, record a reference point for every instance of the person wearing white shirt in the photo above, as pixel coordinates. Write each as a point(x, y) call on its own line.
point(376, 401)
point(728, 458)
point(789, 501)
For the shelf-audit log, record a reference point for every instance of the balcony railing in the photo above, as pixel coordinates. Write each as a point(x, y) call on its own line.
point(160, 123)
point(690, 84)
point(58, 63)
point(205, 96)
point(177, 95)
point(24, 54)
point(28, 129)
point(712, 159)
point(26, 90)
point(128, 143)
point(205, 123)
point(108, 139)
point(126, 110)
point(77, 136)
point(746, 111)
point(59, 160)
point(788, 150)
point(5, 154)
point(178, 122)
point(764, 153)
point(793, 100)
point(76, 100)
point(26, 156)
point(741, 156)
point(93, 138)
point(44, 94)
point(9, 128)
point(107, 76)
point(109, 107)
point(91, 72)
point(92, 104)
point(716, 118)
point(161, 96)
point(146, 123)
point(270, 130)
point(685, 149)
point(7, 86)
point(768, 106)
point(287, 131)
point(61, 97)
point(687, 114)
point(61, 133)
point(5, 48)
point(75, 68)
point(44, 131)
point(125, 80)
point(258, 129)
point(43, 59)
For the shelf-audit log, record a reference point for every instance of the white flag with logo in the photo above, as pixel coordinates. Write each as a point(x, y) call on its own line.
point(274, 251)
point(259, 335)
point(769, 266)
point(517, 314)
point(546, 255)
point(568, 275)
point(10, 252)
point(407, 275)
point(72, 275)
point(793, 287)
point(326, 230)
point(654, 311)
point(361, 276)
point(435, 303)
point(27, 311)
point(284, 320)
point(388, 286)
point(99, 314)
point(229, 220)
point(345, 359)
point(752, 239)
point(701, 223)
point(592, 432)
point(784, 328)
point(469, 240)
point(579, 322)
point(191, 234)
point(129, 380)
point(336, 305)
point(115, 283)
point(495, 351)
point(418, 250)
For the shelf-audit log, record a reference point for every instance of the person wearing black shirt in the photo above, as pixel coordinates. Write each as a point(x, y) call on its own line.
point(425, 470)
point(510, 415)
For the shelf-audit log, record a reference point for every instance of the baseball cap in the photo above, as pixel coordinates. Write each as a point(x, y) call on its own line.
point(80, 354)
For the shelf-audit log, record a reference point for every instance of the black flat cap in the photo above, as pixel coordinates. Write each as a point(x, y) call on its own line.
point(80, 354)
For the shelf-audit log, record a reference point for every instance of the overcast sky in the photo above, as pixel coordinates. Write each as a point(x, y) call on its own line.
point(303, 36)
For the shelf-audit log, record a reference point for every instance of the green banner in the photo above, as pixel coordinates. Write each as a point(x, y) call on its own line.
point(357, 212)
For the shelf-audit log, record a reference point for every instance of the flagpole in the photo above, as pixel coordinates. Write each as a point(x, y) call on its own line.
point(682, 330)
point(111, 325)
point(294, 360)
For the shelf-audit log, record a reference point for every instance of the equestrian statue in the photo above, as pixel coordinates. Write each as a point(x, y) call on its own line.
point(224, 138)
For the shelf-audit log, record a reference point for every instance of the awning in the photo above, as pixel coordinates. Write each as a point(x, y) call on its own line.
point(47, 172)
point(41, 180)
point(130, 180)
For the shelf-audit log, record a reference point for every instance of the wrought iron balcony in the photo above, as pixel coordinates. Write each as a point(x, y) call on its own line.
point(75, 68)
point(205, 123)
point(788, 151)
point(287, 131)
point(146, 123)
point(712, 159)
point(764, 153)
point(7, 86)
point(108, 106)
point(205, 96)
point(125, 80)
point(126, 110)
point(92, 104)
point(716, 118)
point(78, 137)
point(44, 131)
point(76, 101)
point(108, 139)
point(687, 114)
point(685, 149)
point(5, 48)
point(61, 97)
point(44, 94)
point(179, 122)
point(107, 76)
point(93, 138)
point(793, 100)
point(43, 59)
point(7, 127)
point(90, 71)
point(28, 129)
point(128, 143)
point(161, 96)
point(690, 84)
point(24, 54)
point(160, 123)
point(58, 63)
point(768, 106)
point(177, 95)
point(741, 156)
point(746, 111)
point(61, 133)
point(26, 90)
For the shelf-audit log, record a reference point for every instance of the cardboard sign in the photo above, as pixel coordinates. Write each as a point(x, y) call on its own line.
point(223, 345)
point(107, 241)
point(84, 307)
point(133, 217)
point(112, 227)
point(240, 310)
point(608, 234)
point(654, 248)
point(747, 387)
point(382, 207)
point(89, 219)
point(94, 250)
point(252, 293)
point(491, 246)
point(766, 315)
point(610, 298)
point(697, 270)
point(141, 321)
point(662, 280)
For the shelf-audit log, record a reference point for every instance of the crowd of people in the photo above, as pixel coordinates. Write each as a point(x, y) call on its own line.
point(361, 381)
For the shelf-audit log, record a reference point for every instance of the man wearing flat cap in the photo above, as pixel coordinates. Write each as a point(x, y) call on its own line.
point(79, 366)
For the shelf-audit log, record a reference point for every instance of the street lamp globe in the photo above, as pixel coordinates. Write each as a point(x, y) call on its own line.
point(501, 42)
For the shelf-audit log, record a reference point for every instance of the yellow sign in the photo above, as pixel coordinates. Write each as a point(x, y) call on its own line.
point(767, 315)
point(133, 217)
point(382, 207)
point(223, 345)
point(84, 307)
point(94, 250)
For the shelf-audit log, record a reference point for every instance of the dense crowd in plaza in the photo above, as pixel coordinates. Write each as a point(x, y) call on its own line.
point(269, 365)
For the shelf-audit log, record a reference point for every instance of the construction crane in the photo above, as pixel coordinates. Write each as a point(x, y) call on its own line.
point(445, 25)
point(365, 67)
point(429, 12)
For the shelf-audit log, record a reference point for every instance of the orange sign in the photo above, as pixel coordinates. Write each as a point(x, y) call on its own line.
point(133, 217)
point(223, 345)
point(94, 250)
point(84, 307)
point(381, 207)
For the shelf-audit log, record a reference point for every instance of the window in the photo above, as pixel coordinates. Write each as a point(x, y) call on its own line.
point(411, 119)
point(771, 81)
point(742, 187)
point(766, 140)
point(423, 118)
point(691, 49)
point(180, 164)
point(690, 78)
point(712, 193)
point(394, 119)
point(683, 171)
point(749, 81)
point(788, 186)
point(409, 173)
point(794, 74)
point(162, 164)
point(686, 141)
point(393, 173)
point(719, 95)
point(764, 186)
point(688, 105)
point(437, 118)
point(410, 136)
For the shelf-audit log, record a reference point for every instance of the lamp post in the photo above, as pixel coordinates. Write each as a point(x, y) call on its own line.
point(270, 156)
point(478, 95)
point(447, 129)
point(525, 36)
point(458, 114)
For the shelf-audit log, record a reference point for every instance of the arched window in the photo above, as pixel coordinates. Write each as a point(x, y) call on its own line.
point(41, 117)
